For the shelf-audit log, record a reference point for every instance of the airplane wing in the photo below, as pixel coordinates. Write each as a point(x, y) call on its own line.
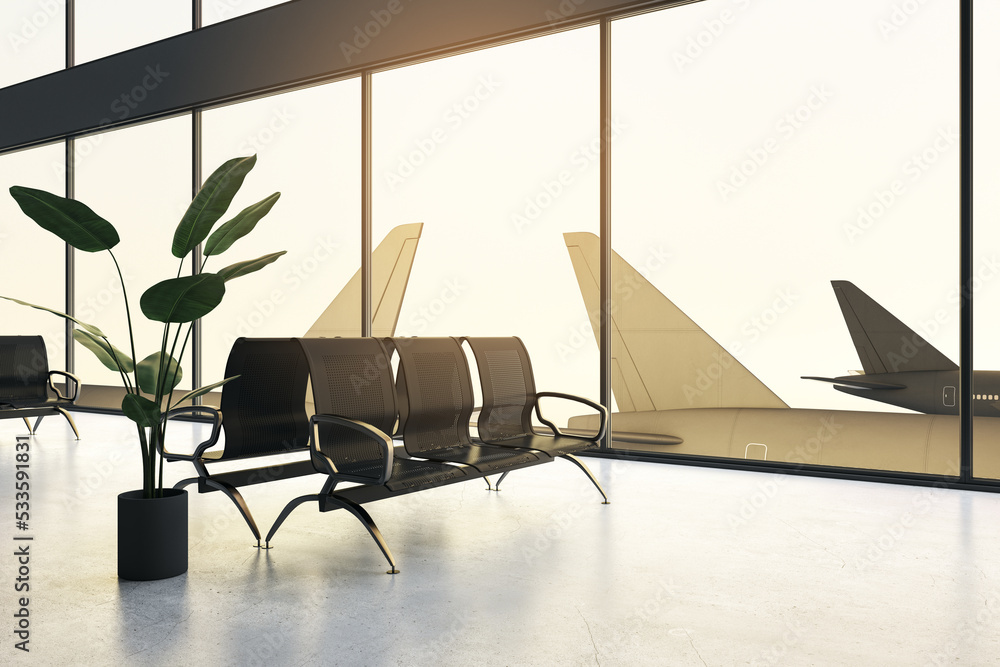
point(859, 384)
point(885, 344)
point(661, 359)
point(391, 264)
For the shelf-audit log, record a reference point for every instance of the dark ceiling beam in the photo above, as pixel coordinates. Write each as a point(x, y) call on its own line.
point(290, 45)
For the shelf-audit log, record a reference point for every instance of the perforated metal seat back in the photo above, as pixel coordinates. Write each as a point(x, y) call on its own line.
point(439, 393)
point(263, 410)
point(508, 388)
point(24, 370)
point(351, 378)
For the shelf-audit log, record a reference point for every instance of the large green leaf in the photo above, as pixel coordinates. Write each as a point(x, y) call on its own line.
point(147, 372)
point(248, 266)
point(141, 410)
point(89, 327)
point(210, 204)
point(201, 391)
point(241, 225)
point(72, 221)
point(183, 299)
point(105, 352)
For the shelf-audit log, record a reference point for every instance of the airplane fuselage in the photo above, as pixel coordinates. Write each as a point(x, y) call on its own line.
point(843, 438)
point(930, 392)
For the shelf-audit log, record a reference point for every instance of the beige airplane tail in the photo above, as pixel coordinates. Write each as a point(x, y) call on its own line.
point(661, 359)
point(391, 263)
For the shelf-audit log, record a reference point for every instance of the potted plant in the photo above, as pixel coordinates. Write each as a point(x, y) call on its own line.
point(152, 527)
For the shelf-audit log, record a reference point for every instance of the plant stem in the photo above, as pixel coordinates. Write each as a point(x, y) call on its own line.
point(128, 313)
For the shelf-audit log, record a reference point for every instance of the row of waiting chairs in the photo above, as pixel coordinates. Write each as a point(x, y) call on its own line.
point(360, 407)
point(27, 387)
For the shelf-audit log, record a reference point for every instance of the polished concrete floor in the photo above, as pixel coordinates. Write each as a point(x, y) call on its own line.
point(686, 566)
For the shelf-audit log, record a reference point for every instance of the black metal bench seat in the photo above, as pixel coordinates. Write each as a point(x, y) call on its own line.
point(25, 383)
point(263, 414)
point(509, 398)
point(358, 404)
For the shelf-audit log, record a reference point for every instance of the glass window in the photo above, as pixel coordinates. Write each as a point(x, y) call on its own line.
point(766, 155)
point(308, 148)
point(986, 352)
point(104, 27)
point(214, 11)
point(493, 152)
point(34, 39)
point(139, 179)
point(32, 261)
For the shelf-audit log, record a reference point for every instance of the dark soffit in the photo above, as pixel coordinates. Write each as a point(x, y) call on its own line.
point(290, 45)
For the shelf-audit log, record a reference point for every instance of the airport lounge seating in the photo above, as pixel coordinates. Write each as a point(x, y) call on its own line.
point(355, 398)
point(262, 414)
point(26, 383)
point(348, 439)
point(439, 405)
point(509, 398)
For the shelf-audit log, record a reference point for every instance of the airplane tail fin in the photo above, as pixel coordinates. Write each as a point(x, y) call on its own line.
point(885, 344)
point(661, 359)
point(391, 264)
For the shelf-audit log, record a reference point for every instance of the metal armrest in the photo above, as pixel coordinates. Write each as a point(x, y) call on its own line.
point(200, 449)
point(359, 426)
point(579, 399)
point(68, 376)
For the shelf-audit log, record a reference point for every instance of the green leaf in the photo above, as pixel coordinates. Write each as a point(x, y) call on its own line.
point(104, 351)
point(203, 390)
point(147, 373)
point(141, 410)
point(89, 327)
point(248, 266)
point(183, 299)
point(241, 225)
point(70, 220)
point(210, 204)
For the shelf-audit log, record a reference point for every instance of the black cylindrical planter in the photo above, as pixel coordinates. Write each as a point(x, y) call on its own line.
point(152, 535)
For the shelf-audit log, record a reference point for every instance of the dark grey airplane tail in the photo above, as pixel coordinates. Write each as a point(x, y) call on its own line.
point(884, 344)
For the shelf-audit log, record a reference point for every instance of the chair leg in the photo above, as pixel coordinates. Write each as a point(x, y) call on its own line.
point(28, 424)
point(284, 515)
point(489, 487)
point(235, 496)
point(496, 486)
point(582, 466)
point(68, 418)
point(363, 516)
